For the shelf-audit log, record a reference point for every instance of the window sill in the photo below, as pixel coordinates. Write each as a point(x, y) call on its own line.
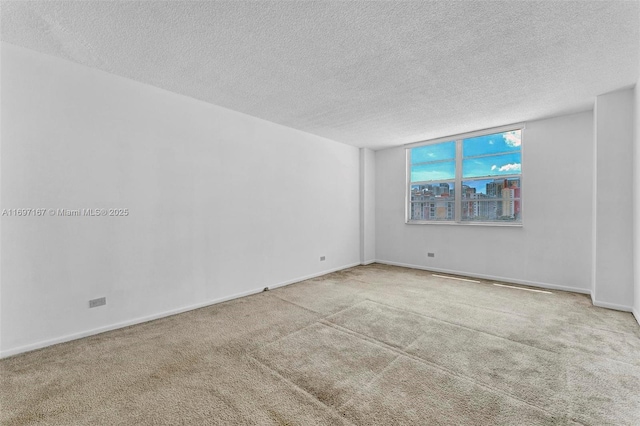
point(499, 224)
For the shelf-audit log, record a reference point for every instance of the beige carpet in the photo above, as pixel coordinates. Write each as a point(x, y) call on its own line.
point(372, 345)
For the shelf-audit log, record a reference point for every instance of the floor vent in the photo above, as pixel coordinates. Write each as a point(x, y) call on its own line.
point(522, 288)
point(455, 278)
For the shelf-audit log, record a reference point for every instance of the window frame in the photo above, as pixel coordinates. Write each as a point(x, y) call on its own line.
point(459, 179)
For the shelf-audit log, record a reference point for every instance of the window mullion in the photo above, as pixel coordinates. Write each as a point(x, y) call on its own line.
point(407, 201)
point(458, 185)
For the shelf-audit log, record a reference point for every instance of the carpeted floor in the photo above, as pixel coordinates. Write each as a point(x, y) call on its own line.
point(371, 345)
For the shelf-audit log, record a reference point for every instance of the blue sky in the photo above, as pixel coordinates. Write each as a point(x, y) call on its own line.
point(508, 162)
point(492, 144)
point(435, 171)
point(435, 152)
point(499, 165)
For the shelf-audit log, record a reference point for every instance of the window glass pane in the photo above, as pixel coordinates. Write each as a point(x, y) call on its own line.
point(436, 210)
point(492, 144)
point(494, 165)
point(433, 171)
point(491, 200)
point(488, 188)
point(434, 152)
point(432, 190)
point(499, 210)
point(433, 201)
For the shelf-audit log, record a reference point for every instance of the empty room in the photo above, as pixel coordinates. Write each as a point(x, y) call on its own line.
point(320, 213)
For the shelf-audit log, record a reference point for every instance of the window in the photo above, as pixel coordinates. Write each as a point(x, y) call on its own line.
point(474, 178)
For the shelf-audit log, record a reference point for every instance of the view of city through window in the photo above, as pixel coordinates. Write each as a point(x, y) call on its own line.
point(489, 180)
point(499, 199)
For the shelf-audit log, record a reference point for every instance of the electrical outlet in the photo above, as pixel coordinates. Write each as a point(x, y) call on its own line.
point(431, 254)
point(322, 258)
point(97, 302)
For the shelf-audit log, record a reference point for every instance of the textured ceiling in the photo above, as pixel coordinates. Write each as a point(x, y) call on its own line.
point(369, 74)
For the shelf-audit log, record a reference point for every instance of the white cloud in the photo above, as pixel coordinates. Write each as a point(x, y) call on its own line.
point(514, 167)
point(512, 138)
point(494, 167)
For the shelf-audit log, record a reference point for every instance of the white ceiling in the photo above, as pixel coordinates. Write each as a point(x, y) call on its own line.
point(369, 74)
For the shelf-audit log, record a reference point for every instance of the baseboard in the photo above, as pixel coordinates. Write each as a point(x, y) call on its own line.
point(489, 277)
point(308, 277)
point(140, 320)
point(615, 306)
point(636, 313)
point(368, 262)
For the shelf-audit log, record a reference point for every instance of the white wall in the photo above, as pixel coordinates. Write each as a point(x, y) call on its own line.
point(221, 203)
point(636, 202)
point(552, 249)
point(367, 206)
point(613, 250)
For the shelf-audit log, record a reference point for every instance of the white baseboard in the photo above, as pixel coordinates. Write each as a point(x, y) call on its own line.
point(86, 333)
point(308, 277)
point(368, 262)
point(615, 306)
point(489, 277)
point(636, 313)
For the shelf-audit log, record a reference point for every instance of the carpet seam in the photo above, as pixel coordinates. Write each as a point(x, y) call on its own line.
point(559, 352)
point(461, 326)
point(322, 314)
point(433, 365)
point(301, 389)
point(251, 352)
point(399, 353)
point(298, 305)
point(370, 382)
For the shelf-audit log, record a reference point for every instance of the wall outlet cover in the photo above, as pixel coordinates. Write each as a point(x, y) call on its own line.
point(97, 302)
